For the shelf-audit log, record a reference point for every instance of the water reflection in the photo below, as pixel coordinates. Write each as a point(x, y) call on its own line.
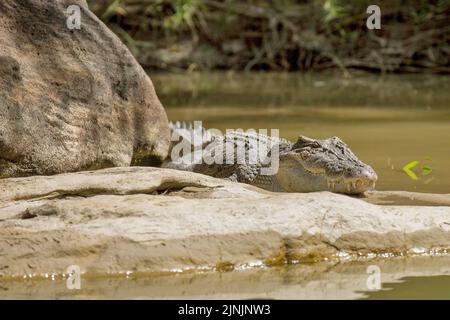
point(423, 276)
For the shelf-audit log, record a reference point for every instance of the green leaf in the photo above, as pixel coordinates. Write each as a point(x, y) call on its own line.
point(426, 170)
point(408, 171)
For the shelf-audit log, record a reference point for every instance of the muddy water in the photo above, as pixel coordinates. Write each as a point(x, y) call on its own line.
point(406, 278)
point(388, 121)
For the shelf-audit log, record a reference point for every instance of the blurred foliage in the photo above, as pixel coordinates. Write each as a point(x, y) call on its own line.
point(334, 9)
point(282, 34)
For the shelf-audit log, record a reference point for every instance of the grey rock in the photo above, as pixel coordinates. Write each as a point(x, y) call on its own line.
point(72, 99)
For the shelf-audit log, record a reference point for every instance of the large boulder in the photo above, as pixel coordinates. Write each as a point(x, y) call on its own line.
point(72, 99)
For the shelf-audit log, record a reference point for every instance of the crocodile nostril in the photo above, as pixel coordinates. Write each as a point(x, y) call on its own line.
point(369, 175)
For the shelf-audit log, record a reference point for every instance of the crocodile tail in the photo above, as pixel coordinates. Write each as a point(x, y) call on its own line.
point(185, 132)
point(189, 133)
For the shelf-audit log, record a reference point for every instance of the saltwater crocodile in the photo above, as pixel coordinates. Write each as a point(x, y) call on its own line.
point(304, 166)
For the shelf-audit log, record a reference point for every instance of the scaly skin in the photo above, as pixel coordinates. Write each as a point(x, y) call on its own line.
point(304, 166)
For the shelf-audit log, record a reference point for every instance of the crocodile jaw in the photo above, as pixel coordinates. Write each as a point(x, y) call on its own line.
point(361, 183)
point(293, 177)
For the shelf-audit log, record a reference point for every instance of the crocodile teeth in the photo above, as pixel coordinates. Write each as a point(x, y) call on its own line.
point(359, 183)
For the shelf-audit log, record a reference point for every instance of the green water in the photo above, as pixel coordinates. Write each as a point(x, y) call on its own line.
point(388, 121)
point(432, 288)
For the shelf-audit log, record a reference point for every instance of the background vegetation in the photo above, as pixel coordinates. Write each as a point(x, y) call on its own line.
point(282, 34)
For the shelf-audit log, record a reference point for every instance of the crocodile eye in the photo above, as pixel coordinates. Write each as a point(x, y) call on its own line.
point(316, 145)
point(339, 141)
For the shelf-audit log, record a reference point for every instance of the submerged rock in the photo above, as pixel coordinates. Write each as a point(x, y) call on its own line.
point(154, 220)
point(72, 99)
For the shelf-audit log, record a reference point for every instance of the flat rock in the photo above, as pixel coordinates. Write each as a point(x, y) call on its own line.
point(144, 219)
point(72, 99)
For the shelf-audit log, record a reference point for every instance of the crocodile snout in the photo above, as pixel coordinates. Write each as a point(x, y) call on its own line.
point(365, 180)
point(358, 182)
point(368, 175)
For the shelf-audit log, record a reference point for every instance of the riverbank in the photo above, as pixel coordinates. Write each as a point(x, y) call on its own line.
point(282, 35)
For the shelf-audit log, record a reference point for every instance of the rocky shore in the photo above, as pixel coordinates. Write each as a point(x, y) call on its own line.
point(144, 219)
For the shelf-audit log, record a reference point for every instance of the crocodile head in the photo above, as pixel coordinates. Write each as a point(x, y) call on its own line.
point(319, 165)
